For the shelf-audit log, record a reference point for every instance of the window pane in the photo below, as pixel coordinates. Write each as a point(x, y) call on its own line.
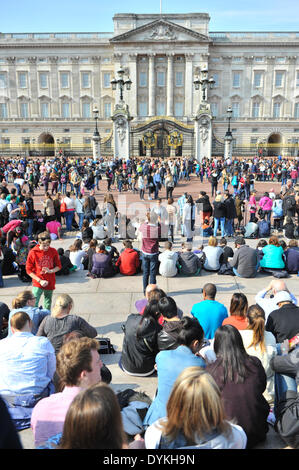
point(142, 109)
point(297, 79)
point(107, 80)
point(296, 111)
point(86, 110)
point(216, 78)
point(276, 110)
point(236, 79)
point(278, 79)
point(160, 109)
point(85, 80)
point(256, 110)
point(45, 110)
point(160, 78)
point(64, 80)
point(3, 110)
point(214, 109)
point(107, 110)
point(3, 80)
point(22, 80)
point(178, 109)
point(43, 80)
point(142, 79)
point(24, 110)
point(257, 79)
point(179, 79)
point(236, 109)
point(66, 110)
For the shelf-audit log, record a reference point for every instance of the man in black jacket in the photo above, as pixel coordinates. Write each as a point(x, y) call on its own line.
point(172, 325)
point(283, 323)
point(231, 214)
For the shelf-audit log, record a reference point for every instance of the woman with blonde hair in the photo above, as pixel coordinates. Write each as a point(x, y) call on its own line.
point(262, 344)
point(61, 322)
point(214, 255)
point(25, 302)
point(195, 417)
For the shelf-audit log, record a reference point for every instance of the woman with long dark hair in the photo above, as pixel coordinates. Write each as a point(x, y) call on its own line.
point(242, 381)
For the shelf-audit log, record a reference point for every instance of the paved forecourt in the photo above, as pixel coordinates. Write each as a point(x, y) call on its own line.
point(106, 303)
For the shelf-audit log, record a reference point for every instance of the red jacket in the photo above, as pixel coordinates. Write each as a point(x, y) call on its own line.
point(38, 259)
point(128, 262)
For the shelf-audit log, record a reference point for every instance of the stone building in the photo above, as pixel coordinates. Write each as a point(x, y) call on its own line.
point(51, 82)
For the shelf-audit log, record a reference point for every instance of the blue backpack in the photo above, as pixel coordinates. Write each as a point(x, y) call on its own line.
point(264, 229)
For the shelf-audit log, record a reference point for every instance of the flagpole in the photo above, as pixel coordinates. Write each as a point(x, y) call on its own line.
point(160, 7)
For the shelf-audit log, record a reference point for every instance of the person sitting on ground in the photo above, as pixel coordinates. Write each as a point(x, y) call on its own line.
point(245, 260)
point(27, 366)
point(111, 249)
point(87, 262)
point(168, 261)
point(86, 232)
point(171, 326)
point(66, 264)
point(140, 345)
point(227, 250)
point(61, 322)
point(25, 302)
point(78, 366)
point(209, 313)
point(77, 254)
point(9, 437)
point(189, 263)
point(242, 381)
point(252, 229)
point(102, 265)
point(259, 248)
point(4, 315)
point(214, 255)
point(268, 304)
point(284, 321)
point(170, 363)
point(237, 312)
point(262, 344)
point(140, 304)
point(292, 257)
point(128, 261)
point(98, 229)
point(9, 265)
point(55, 230)
point(195, 417)
point(272, 255)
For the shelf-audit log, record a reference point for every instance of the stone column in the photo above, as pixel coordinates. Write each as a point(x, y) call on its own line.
point(75, 87)
point(121, 131)
point(169, 111)
point(228, 147)
point(203, 132)
point(35, 112)
point(12, 83)
point(133, 76)
point(151, 85)
point(188, 85)
point(54, 80)
point(96, 146)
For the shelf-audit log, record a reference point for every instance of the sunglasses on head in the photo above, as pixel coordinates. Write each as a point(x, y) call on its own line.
point(44, 239)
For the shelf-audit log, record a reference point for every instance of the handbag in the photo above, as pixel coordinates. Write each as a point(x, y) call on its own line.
point(105, 346)
point(63, 207)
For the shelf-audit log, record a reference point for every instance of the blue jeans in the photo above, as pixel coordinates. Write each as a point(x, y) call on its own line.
point(149, 268)
point(69, 215)
point(229, 231)
point(282, 383)
point(220, 221)
point(237, 274)
point(30, 227)
point(81, 218)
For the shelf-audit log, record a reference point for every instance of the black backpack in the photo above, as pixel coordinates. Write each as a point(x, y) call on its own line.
point(5, 214)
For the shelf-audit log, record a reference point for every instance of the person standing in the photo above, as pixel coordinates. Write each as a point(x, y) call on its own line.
point(42, 263)
point(151, 232)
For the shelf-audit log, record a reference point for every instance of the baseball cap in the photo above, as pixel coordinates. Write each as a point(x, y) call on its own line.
point(282, 296)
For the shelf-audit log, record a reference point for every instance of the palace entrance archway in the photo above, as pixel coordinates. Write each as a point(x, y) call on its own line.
point(274, 145)
point(46, 145)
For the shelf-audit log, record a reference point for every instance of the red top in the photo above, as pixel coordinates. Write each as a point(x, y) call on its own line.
point(240, 323)
point(38, 259)
point(128, 262)
point(150, 238)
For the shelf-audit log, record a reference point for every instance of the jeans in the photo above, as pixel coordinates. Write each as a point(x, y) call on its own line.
point(69, 215)
point(229, 231)
point(149, 268)
point(220, 221)
point(81, 218)
point(282, 383)
point(38, 291)
point(237, 274)
point(30, 227)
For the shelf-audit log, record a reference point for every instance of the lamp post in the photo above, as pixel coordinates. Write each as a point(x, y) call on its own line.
point(121, 83)
point(203, 82)
point(228, 136)
point(96, 135)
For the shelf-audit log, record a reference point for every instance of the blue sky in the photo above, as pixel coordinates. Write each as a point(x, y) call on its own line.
point(96, 15)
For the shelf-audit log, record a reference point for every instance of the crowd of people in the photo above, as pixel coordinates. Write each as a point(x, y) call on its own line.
point(224, 372)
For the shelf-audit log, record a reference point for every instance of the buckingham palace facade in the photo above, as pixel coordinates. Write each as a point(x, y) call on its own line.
point(50, 84)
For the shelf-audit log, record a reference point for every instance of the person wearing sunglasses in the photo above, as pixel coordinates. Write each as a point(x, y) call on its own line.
point(42, 263)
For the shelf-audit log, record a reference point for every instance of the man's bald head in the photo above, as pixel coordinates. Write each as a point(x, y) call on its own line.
point(278, 285)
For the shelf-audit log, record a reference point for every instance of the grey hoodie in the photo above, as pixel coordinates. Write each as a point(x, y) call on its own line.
point(168, 261)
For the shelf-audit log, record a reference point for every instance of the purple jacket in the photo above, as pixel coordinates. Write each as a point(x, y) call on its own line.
point(102, 265)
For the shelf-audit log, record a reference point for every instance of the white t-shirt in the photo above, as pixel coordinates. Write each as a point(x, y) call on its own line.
point(77, 257)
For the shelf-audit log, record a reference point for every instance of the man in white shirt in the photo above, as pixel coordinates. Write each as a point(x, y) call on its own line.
point(268, 304)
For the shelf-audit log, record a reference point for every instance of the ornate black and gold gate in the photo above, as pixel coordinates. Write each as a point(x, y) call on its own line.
point(162, 138)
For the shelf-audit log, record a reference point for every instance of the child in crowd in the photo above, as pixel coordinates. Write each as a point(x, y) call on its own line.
point(259, 248)
point(66, 264)
point(168, 261)
point(110, 248)
point(227, 250)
